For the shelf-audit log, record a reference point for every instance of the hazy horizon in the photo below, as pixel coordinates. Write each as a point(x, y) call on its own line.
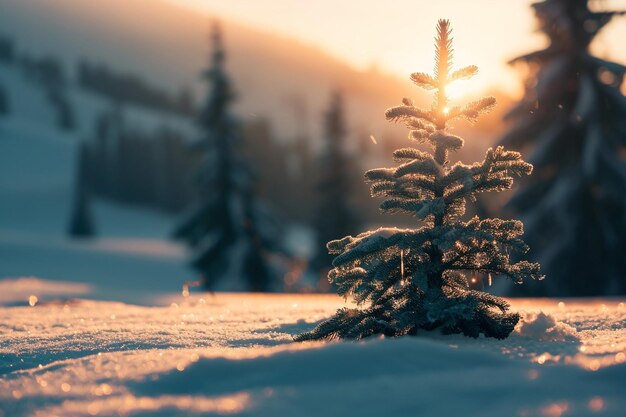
point(398, 39)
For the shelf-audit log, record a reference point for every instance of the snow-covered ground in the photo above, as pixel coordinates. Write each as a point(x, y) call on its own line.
point(233, 354)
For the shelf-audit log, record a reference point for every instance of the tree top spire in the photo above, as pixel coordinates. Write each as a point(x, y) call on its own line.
point(218, 55)
point(428, 125)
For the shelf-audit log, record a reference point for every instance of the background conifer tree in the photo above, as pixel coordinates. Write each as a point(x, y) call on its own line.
point(410, 279)
point(81, 220)
point(334, 215)
point(572, 125)
point(231, 233)
point(4, 101)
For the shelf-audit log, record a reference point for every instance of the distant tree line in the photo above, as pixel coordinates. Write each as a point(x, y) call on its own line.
point(129, 88)
point(48, 73)
point(133, 166)
point(155, 168)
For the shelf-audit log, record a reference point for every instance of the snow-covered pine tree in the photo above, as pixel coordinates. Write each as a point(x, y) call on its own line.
point(572, 124)
point(81, 221)
point(334, 215)
point(232, 234)
point(406, 280)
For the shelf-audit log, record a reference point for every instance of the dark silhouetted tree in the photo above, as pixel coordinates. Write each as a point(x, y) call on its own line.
point(407, 280)
point(81, 221)
point(4, 101)
point(572, 125)
point(7, 50)
point(231, 234)
point(334, 215)
point(63, 107)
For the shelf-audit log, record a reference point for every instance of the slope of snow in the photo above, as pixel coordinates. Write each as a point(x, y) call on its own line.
point(30, 105)
point(15, 291)
point(106, 265)
point(132, 258)
point(37, 162)
point(232, 354)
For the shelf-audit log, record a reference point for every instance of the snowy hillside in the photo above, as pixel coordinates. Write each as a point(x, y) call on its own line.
point(37, 158)
point(37, 163)
point(133, 257)
point(233, 354)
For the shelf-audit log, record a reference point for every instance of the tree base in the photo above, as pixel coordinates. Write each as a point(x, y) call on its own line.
point(450, 310)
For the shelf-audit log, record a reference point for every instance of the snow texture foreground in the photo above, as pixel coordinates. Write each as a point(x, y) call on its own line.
point(233, 354)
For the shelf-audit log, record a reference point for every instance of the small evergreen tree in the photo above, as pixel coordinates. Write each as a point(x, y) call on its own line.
point(572, 123)
point(334, 215)
point(232, 236)
point(81, 221)
point(406, 280)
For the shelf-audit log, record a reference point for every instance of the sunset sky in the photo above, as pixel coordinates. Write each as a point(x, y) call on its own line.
point(398, 38)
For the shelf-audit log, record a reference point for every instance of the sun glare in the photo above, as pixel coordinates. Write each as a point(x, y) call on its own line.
point(456, 90)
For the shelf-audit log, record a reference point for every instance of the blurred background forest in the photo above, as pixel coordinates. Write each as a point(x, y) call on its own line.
point(105, 124)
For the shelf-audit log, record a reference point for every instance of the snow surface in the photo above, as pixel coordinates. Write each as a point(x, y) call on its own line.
point(233, 354)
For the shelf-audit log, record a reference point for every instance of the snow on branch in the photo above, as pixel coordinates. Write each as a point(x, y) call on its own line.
point(421, 209)
point(375, 241)
point(410, 153)
point(420, 167)
point(495, 173)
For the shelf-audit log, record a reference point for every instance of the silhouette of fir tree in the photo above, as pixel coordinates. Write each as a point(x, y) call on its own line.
point(572, 125)
point(230, 231)
point(81, 220)
point(334, 215)
point(4, 101)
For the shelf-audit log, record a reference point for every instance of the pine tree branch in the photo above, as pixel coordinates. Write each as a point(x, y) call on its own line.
point(421, 209)
point(443, 52)
point(464, 73)
point(410, 153)
point(495, 173)
point(472, 110)
point(424, 80)
point(426, 167)
point(407, 112)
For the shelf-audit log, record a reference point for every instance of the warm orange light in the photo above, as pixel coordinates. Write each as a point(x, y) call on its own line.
point(596, 404)
point(32, 300)
point(457, 90)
